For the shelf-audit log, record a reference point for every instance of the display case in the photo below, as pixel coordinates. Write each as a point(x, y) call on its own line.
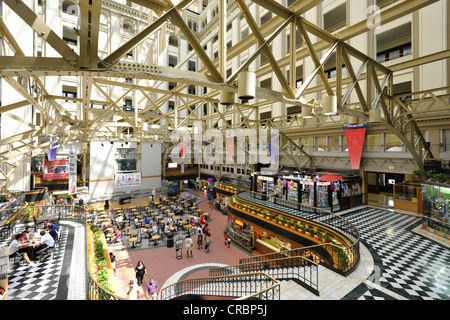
point(407, 197)
point(351, 193)
point(292, 191)
point(436, 205)
point(240, 232)
point(307, 193)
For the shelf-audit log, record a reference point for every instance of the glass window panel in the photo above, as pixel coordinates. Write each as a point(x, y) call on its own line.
point(344, 144)
point(446, 140)
point(393, 143)
point(334, 143)
point(373, 142)
point(320, 143)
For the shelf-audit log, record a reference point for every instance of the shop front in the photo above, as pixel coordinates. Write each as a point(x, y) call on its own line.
point(436, 207)
point(332, 192)
point(241, 232)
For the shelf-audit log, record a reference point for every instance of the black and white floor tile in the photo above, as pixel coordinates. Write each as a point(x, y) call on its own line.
point(406, 264)
point(42, 281)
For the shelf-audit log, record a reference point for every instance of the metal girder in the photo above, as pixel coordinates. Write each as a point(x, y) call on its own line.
point(43, 30)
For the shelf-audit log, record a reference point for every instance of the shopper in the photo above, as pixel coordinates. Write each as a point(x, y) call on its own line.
point(151, 291)
point(113, 259)
point(140, 272)
point(200, 238)
point(132, 291)
point(208, 242)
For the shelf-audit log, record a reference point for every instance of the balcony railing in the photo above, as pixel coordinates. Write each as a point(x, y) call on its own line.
point(299, 269)
point(251, 286)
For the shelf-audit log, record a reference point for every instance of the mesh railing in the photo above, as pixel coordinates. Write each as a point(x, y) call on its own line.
point(251, 286)
point(300, 269)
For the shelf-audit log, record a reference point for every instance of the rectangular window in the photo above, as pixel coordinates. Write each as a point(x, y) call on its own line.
point(373, 142)
point(446, 140)
point(334, 144)
point(265, 18)
point(335, 19)
point(320, 144)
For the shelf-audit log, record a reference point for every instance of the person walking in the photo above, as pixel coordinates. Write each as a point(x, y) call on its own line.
point(151, 291)
point(132, 291)
point(112, 257)
point(208, 242)
point(140, 271)
point(200, 238)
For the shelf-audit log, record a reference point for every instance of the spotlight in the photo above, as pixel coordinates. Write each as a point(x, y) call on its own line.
point(126, 142)
point(112, 142)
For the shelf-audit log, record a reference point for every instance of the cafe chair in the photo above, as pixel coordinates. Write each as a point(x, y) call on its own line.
point(17, 260)
point(49, 252)
point(138, 243)
point(125, 244)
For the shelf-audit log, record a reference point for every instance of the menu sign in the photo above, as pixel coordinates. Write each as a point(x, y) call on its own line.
point(56, 169)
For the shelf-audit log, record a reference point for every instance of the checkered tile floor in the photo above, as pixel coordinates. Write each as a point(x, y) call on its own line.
point(406, 264)
point(40, 282)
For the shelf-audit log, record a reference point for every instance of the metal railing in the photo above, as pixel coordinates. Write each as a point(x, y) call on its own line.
point(300, 269)
point(251, 286)
point(342, 259)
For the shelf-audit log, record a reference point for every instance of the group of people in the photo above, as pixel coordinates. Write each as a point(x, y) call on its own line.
point(28, 245)
point(151, 289)
point(203, 239)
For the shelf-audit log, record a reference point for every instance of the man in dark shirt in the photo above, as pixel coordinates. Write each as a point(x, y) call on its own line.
point(52, 232)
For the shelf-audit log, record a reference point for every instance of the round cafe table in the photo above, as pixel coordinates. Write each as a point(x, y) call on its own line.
point(155, 238)
point(130, 233)
point(133, 240)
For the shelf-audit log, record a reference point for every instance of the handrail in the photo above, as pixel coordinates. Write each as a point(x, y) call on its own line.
point(347, 256)
point(257, 285)
point(286, 268)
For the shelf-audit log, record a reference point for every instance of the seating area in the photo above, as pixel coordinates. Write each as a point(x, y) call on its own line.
point(149, 225)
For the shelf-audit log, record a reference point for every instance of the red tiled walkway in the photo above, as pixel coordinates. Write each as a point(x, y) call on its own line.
point(161, 262)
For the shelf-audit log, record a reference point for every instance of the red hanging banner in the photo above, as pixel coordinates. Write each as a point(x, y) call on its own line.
point(355, 143)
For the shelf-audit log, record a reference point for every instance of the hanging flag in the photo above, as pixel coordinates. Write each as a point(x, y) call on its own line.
point(355, 142)
point(162, 39)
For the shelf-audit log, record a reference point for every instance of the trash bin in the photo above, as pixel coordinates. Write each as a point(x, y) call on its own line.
point(169, 240)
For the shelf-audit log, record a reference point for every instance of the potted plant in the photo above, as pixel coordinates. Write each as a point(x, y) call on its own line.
point(311, 232)
point(440, 177)
point(318, 235)
point(447, 179)
point(295, 226)
point(425, 175)
point(282, 221)
point(302, 229)
point(417, 174)
point(327, 239)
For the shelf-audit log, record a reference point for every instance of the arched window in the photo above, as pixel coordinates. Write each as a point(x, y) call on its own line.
point(128, 26)
point(173, 41)
point(194, 27)
point(70, 7)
